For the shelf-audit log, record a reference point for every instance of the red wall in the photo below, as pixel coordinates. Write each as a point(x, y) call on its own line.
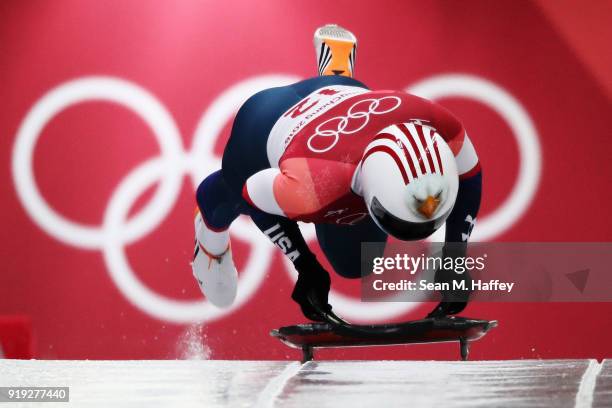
point(188, 65)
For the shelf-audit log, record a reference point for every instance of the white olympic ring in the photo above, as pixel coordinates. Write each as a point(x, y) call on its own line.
point(117, 231)
point(343, 122)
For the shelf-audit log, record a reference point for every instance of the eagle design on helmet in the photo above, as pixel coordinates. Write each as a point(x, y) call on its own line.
point(409, 180)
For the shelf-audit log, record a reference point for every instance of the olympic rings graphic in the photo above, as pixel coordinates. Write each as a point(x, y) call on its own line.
point(344, 122)
point(174, 162)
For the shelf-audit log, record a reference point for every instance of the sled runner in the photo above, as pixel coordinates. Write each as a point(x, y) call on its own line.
point(338, 333)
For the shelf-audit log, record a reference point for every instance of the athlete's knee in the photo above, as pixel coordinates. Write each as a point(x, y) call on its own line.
point(218, 205)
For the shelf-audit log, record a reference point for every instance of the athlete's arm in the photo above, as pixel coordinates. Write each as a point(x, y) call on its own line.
point(461, 220)
point(463, 217)
point(459, 226)
point(277, 198)
point(312, 287)
point(283, 233)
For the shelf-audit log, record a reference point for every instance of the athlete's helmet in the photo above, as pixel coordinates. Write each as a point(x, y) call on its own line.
point(409, 180)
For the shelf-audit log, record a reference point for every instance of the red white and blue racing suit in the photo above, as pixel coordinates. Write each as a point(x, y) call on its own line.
point(292, 156)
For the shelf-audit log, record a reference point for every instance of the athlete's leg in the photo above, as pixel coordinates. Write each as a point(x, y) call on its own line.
point(219, 195)
point(213, 266)
point(219, 207)
point(341, 244)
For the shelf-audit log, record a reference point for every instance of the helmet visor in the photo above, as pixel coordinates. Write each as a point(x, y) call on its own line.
point(403, 229)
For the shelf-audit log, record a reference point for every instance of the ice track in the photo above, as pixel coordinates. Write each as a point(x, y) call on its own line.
point(524, 383)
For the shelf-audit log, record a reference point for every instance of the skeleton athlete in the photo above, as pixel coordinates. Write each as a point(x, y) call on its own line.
point(358, 163)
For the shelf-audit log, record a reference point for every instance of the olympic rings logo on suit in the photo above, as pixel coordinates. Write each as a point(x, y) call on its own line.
point(174, 162)
point(354, 116)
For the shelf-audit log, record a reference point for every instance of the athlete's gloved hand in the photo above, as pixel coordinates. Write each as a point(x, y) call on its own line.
point(453, 300)
point(312, 287)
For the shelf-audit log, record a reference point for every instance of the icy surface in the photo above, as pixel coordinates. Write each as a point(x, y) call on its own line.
point(603, 389)
point(316, 384)
point(146, 383)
